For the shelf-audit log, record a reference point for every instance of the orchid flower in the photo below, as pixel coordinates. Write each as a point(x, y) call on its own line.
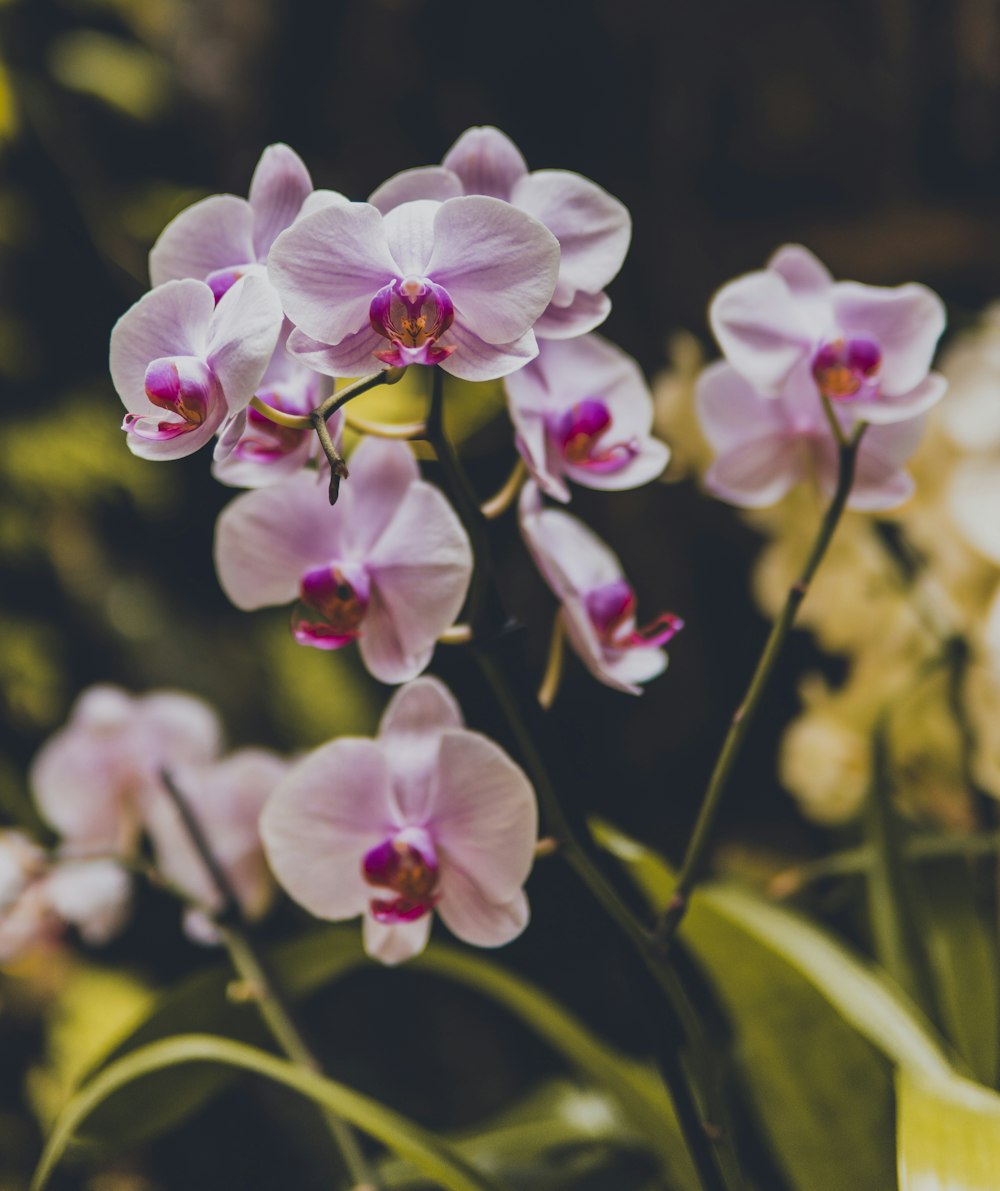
point(582, 412)
point(764, 446)
point(223, 238)
point(266, 453)
point(39, 897)
point(388, 566)
point(868, 349)
point(592, 227)
point(427, 817)
point(598, 604)
point(226, 799)
point(186, 368)
point(94, 778)
point(458, 283)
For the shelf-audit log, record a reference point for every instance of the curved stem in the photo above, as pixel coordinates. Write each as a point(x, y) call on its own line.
point(399, 430)
point(279, 417)
point(553, 666)
point(385, 376)
point(253, 971)
point(504, 497)
point(694, 858)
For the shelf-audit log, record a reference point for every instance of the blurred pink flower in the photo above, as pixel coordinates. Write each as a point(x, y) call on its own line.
point(583, 412)
point(428, 816)
point(40, 897)
point(93, 779)
point(226, 799)
point(186, 368)
point(598, 605)
point(458, 283)
point(764, 446)
point(388, 566)
point(592, 227)
point(868, 348)
point(223, 238)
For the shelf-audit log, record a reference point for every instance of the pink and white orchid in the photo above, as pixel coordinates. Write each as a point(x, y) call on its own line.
point(764, 446)
point(94, 778)
point(458, 283)
point(388, 566)
point(427, 817)
point(598, 604)
point(223, 238)
point(868, 349)
point(583, 412)
point(186, 368)
point(41, 896)
point(226, 799)
point(592, 227)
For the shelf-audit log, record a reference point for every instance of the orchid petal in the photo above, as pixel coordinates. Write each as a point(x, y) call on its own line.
point(354, 355)
point(885, 410)
point(409, 230)
point(592, 227)
point(278, 188)
point(242, 336)
point(730, 411)
point(583, 314)
point(759, 472)
point(487, 162)
point(266, 540)
point(382, 651)
point(215, 233)
point(428, 182)
point(473, 919)
point(382, 475)
point(571, 557)
point(327, 268)
point(474, 359)
point(328, 812)
point(906, 321)
point(396, 942)
point(498, 264)
point(92, 895)
point(810, 284)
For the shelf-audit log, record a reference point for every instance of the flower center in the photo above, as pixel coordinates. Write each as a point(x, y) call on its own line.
point(222, 281)
point(183, 386)
point(405, 865)
point(334, 601)
point(847, 369)
point(579, 432)
point(412, 314)
point(612, 613)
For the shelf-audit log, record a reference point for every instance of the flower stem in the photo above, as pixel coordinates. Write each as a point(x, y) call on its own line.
point(503, 498)
point(253, 971)
point(707, 1143)
point(694, 859)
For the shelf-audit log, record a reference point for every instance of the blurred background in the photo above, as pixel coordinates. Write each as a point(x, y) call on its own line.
point(868, 131)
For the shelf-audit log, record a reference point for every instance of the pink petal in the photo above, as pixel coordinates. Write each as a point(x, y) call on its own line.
point(422, 564)
point(382, 475)
point(179, 727)
point(424, 707)
point(332, 808)
point(409, 230)
point(761, 329)
point(649, 462)
point(583, 314)
point(758, 472)
point(484, 815)
point(810, 284)
point(93, 895)
point(266, 540)
point(532, 442)
point(181, 445)
point(381, 649)
point(906, 321)
point(169, 321)
point(319, 199)
point(475, 360)
point(571, 557)
point(215, 233)
point(76, 781)
point(592, 227)
point(730, 411)
point(327, 268)
point(497, 263)
point(278, 188)
point(242, 336)
point(884, 410)
point(473, 919)
point(486, 161)
point(354, 355)
point(396, 943)
point(428, 182)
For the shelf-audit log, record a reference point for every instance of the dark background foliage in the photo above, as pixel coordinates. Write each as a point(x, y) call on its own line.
point(866, 130)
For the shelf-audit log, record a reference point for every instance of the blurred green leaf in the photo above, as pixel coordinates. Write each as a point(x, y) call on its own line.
point(948, 1133)
point(418, 1146)
point(963, 955)
point(121, 74)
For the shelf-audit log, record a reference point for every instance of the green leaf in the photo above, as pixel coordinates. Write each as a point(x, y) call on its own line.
point(416, 1145)
point(963, 956)
point(948, 1133)
point(795, 999)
